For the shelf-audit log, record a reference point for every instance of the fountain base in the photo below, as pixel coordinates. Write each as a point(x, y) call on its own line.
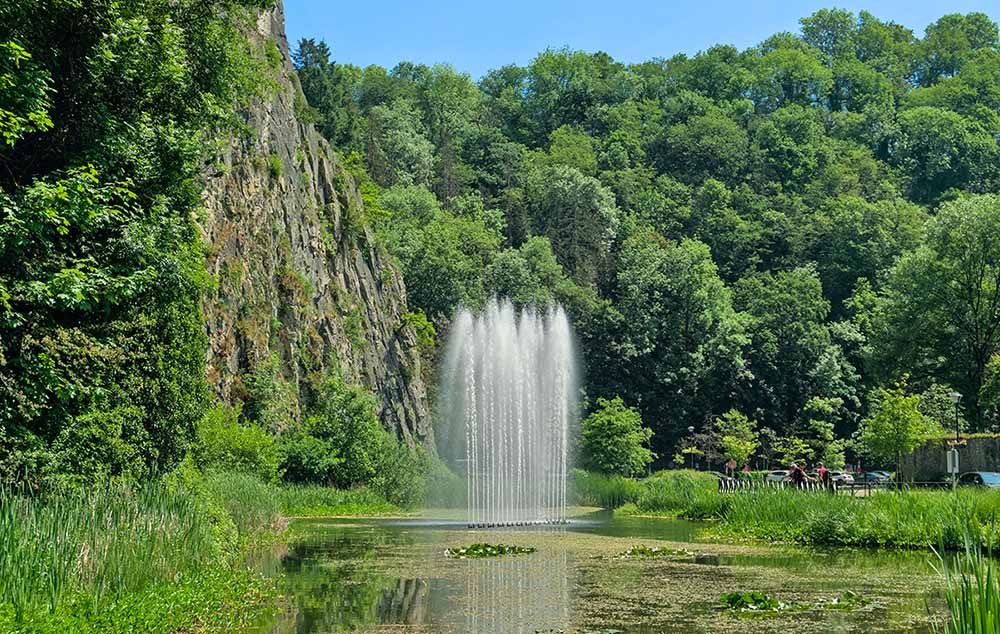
point(515, 524)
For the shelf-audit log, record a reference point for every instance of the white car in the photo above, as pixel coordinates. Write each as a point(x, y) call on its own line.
point(841, 478)
point(777, 476)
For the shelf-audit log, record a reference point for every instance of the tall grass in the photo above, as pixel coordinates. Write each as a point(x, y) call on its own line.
point(605, 491)
point(972, 594)
point(251, 504)
point(99, 546)
point(901, 519)
point(311, 501)
point(692, 493)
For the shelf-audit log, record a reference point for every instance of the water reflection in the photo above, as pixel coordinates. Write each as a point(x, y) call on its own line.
point(342, 578)
point(518, 594)
point(394, 576)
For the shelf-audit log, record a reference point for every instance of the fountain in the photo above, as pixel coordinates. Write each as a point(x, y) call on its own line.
point(509, 378)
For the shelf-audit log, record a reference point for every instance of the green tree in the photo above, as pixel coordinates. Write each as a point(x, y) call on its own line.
point(613, 439)
point(895, 426)
point(108, 112)
point(950, 41)
point(791, 355)
point(938, 316)
point(329, 90)
point(677, 349)
point(398, 151)
point(737, 435)
point(578, 215)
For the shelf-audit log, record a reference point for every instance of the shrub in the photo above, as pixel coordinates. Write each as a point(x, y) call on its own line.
point(224, 444)
point(339, 444)
point(614, 440)
point(399, 476)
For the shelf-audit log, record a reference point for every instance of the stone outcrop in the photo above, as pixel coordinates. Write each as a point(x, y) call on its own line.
point(298, 274)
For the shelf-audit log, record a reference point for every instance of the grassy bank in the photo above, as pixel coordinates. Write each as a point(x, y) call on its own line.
point(164, 557)
point(896, 519)
point(159, 558)
point(693, 494)
point(318, 501)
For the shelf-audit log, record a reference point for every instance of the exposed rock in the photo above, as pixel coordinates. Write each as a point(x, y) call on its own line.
point(299, 275)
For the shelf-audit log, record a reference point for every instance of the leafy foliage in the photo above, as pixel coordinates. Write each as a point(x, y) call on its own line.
point(107, 114)
point(614, 440)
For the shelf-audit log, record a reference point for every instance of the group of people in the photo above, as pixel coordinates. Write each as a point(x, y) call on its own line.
point(797, 475)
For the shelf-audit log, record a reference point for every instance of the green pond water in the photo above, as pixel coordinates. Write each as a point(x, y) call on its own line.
point(393, 576)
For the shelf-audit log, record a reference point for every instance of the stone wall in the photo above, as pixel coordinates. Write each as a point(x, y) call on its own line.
point(930, 462)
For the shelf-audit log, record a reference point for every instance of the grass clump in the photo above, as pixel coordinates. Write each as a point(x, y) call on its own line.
point(605, 491)
point(972, 594)
point(319, 501)
point(481, 550)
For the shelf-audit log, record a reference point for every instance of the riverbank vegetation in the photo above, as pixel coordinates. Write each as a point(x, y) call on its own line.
point(886, 518)
point(162, 557)
point(973, 592)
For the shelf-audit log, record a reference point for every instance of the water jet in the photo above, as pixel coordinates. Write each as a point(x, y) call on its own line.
point(510, 384)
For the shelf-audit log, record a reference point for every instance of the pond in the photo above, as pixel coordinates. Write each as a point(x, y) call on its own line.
point(392, 575)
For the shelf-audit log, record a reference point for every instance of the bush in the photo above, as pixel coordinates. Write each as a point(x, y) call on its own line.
point(444, 488)
point(614, 440)
point(225, 445)
point(340, 443)
point(399, 476)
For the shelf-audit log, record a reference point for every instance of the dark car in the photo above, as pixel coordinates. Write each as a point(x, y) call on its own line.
point(988, 479)
point(873, 477)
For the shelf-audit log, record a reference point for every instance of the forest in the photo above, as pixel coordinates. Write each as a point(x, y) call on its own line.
point(229, 268)
point(780, 241)
point(795, 234)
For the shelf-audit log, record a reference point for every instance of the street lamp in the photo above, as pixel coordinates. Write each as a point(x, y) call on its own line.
point(956, 398)
point(691, 431)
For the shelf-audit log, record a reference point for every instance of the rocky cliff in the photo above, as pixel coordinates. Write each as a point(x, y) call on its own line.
point(301, 284)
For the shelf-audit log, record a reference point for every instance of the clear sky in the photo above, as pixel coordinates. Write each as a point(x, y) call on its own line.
point(478, 36)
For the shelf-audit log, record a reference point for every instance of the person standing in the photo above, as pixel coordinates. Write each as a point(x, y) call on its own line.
point(823, 474)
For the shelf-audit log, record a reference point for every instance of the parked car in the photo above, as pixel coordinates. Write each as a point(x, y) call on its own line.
point(988, 479)
point(874, 477)
point(778, 475)
point(840, 477)
point(888, 476)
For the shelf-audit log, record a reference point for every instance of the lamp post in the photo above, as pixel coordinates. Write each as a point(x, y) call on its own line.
point(956, 398)
point(691, 431)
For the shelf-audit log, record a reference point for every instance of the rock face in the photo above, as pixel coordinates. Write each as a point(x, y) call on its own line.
point(299, 276)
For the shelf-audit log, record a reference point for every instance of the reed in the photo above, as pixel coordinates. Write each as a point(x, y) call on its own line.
point(972, 593)
point(314, 501)
point(605, 491)
point(97, 546)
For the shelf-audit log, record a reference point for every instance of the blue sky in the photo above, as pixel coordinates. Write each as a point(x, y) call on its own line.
point(478, 36)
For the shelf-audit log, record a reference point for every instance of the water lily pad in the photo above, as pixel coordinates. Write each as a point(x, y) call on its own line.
point(478, 551)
